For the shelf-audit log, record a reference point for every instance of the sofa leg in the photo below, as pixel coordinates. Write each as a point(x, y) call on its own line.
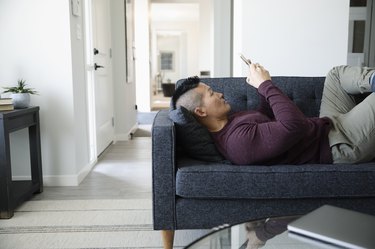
point(168, 237)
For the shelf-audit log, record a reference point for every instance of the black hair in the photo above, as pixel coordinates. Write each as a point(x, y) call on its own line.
point(186, 85)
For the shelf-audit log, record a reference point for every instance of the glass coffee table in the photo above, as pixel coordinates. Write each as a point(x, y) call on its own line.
point(263, 233)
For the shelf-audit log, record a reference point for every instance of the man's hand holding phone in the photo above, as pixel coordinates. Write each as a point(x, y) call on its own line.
point(257, 75)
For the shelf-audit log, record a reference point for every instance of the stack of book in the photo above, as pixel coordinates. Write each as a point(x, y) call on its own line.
point(6, 104)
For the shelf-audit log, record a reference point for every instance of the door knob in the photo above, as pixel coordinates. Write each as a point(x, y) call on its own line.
point(96, 66)
point(96, 51)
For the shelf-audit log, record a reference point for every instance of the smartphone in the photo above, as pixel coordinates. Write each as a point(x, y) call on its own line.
point(247, 61)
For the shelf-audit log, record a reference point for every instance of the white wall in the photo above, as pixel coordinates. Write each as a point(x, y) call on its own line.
point(222, 38)
point(205, 39)
point(36, 46)
point(42, 43)
point(39, 44)
point(291, 37)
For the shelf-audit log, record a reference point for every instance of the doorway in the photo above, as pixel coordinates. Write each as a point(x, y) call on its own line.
point(204, 27)
point(169, 63)
point(174, 29)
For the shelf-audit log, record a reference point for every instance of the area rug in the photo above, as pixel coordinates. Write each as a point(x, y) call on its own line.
point(82, 224)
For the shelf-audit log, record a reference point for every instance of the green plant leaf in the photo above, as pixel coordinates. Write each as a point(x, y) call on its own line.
point(20, 88)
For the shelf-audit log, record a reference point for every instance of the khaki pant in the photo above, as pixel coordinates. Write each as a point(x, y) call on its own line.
point(352, 138)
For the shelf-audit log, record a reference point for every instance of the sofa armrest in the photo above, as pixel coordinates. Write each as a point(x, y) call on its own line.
point(163, 172)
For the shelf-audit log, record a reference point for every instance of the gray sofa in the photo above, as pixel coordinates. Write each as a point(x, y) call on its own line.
point(195, 194)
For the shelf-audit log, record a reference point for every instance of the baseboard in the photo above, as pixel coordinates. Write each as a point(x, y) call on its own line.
point(85, 171)
point(62, 180)
point(127, 136)
point(75, 180)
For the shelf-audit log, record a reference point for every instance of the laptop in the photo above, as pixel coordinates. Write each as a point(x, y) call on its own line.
point(338, 226)
point(314, 243)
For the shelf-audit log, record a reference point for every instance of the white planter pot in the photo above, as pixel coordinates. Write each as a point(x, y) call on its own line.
point(20, 100)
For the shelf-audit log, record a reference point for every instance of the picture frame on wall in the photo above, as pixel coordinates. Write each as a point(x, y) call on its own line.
point(167, 61)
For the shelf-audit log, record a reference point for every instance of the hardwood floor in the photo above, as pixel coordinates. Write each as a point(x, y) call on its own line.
point(122, 172)
point(159, 102)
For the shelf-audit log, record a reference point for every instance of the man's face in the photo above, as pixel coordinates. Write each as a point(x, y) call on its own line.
point(213, 103)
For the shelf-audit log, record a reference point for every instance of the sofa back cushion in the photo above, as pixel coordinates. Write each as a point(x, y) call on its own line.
point(306, 92)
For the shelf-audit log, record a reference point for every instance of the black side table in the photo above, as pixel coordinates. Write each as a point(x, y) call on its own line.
point(13, 193)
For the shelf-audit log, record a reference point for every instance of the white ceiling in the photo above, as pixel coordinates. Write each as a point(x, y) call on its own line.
point(165, 12)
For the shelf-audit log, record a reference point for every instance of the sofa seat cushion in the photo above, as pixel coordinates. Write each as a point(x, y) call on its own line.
point(197, 179)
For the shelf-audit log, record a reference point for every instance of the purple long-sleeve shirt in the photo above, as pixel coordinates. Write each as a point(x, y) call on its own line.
point(277, 133)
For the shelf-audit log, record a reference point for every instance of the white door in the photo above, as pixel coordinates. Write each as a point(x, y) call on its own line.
point(102, 77)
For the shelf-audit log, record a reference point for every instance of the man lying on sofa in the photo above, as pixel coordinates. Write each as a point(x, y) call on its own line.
point(278, 132)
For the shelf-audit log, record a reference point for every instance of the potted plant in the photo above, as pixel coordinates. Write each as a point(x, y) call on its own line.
point(20, 94)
